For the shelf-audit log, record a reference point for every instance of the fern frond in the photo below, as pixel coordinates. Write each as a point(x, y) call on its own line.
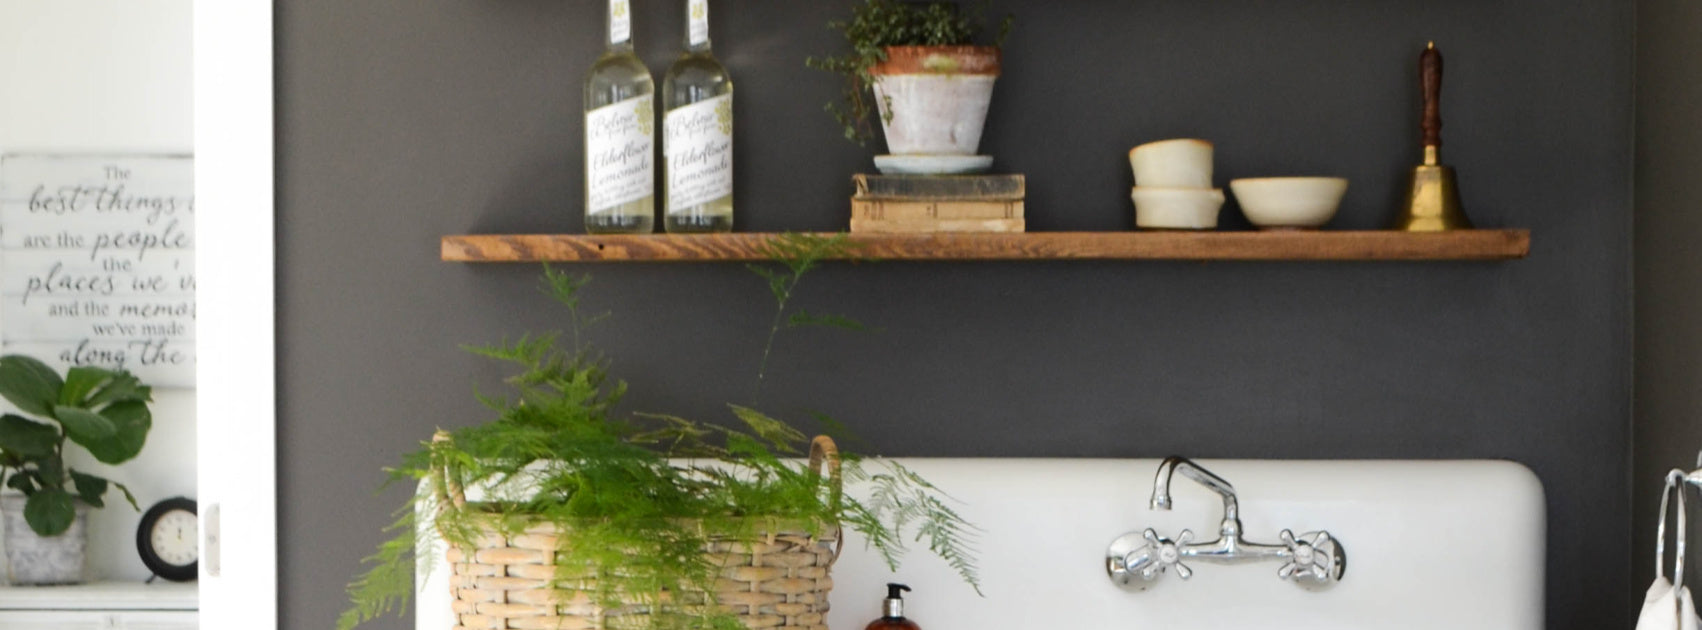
point(559, 451)
point(388, 583)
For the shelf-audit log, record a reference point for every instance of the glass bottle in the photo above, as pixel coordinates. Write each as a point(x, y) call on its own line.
point(620, 126)
point(697, 140)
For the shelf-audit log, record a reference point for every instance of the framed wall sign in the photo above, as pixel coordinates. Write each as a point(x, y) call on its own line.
point(97, 262)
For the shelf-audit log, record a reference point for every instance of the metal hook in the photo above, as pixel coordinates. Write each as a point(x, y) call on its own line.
point(1675, 481)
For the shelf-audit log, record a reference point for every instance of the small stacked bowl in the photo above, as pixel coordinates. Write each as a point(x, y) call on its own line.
point(1173, 189)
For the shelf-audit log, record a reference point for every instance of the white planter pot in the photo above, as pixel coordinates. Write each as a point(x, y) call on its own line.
point(34, 560)
point(933, 100)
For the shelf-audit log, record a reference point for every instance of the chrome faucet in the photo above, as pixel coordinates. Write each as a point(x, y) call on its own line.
point(1161, 484)
point(1314, 560)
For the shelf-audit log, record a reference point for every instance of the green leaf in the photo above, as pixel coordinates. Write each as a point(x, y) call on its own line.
point(50, 512)
point(777, 282)
point(80, 381)
point(124, 387)
point(90, 488)
point(27, 437)
point(29, 384)
point(779, 434)
point(130, 498)
point(22, 481)
point(133, 421)
point(50, 472)
point(802, 318)
point(564, 287)
point(84, 426)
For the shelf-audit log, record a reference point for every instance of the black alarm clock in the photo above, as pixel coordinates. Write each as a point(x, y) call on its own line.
point(167, 539)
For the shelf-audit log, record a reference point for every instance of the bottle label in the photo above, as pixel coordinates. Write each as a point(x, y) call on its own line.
point(620, 21)
point(699, 32)
point(618, 147)
point(699, 149)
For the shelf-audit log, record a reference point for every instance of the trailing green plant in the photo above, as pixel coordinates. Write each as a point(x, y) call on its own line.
point(876, 24)
point(103, 411)
point(642, 494)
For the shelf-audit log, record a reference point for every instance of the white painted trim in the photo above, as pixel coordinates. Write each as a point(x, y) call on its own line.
point(237, 385)
point(160, 595)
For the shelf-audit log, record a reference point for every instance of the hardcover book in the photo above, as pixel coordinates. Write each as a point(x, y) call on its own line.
point(940, 187)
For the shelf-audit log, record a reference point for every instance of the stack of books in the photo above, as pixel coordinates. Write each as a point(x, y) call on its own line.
point(901, 204)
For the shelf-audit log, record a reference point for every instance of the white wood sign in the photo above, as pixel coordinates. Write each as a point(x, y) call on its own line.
point(97, 262)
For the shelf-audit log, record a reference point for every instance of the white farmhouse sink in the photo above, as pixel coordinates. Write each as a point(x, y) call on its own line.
point(1447, 544)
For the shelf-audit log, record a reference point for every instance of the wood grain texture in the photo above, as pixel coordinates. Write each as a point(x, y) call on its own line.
point(1202, 246)
point(1430, 78)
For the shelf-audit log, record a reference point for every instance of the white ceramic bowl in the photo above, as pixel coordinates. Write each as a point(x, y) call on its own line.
point(1183, 163)
point(1177, 208)
point(1289, 202)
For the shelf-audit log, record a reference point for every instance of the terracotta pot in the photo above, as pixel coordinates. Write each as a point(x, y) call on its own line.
point(933, 99)
point(40, 561)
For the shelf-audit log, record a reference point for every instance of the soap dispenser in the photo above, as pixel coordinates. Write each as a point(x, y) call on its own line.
point(892, 611)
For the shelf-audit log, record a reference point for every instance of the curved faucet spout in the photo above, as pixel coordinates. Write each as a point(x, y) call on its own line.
point(1191, 470)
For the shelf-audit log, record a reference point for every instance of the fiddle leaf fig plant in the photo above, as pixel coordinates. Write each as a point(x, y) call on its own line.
point(104, 411)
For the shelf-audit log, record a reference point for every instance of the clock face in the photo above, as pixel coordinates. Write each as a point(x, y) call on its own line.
point(167, 539)
point(174, 538)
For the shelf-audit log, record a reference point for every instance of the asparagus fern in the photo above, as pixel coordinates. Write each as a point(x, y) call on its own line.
point(642, 495)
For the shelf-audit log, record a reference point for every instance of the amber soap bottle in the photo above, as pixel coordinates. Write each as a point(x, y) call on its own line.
point(892, 611)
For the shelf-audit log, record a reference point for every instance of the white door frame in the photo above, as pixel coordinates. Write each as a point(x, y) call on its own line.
point(236, 385)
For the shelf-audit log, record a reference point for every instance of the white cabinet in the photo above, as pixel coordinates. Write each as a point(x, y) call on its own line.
point(102, 606)
point(157, 621)
point(41, 620)
point(85, 620)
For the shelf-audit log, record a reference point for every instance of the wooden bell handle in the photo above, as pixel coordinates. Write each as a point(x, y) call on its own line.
point(1430, 73)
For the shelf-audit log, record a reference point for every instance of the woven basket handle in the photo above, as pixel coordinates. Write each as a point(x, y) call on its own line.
point(824, 451)
point(449, 493)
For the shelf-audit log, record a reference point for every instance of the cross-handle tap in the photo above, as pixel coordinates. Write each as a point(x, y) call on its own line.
point(1314, 560)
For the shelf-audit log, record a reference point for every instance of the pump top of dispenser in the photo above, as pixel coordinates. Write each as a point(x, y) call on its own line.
point(893, 606)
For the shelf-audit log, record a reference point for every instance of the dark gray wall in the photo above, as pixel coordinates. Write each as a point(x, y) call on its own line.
point(1668, 424)
point(402, 120)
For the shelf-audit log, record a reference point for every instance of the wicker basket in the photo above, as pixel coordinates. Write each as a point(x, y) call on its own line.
point(779, 581)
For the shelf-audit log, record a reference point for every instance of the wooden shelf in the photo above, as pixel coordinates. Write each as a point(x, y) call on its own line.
point(1199, 246)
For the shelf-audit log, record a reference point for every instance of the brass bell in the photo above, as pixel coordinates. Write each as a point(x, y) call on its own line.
point(1433, 201)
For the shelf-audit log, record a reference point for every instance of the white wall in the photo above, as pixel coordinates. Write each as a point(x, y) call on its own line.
point(108, 75)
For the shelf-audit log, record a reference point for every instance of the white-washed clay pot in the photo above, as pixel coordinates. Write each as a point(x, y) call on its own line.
point(37, 561)
point(933, 100)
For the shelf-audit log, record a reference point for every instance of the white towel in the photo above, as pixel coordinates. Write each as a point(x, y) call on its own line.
point(1660, 608)
point(1686, 610)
